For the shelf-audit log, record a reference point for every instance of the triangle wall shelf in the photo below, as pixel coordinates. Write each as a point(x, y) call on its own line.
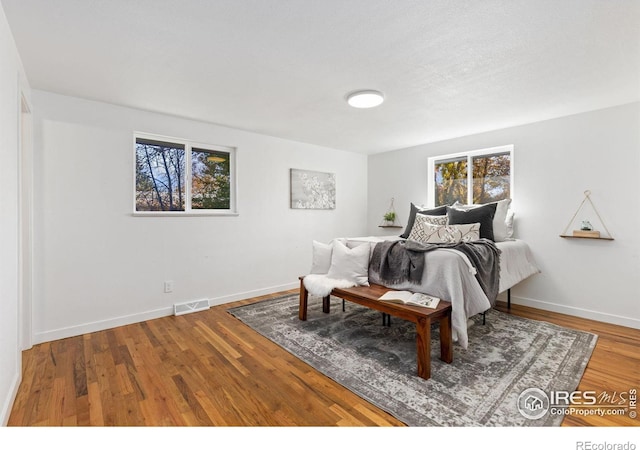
point(586, 232)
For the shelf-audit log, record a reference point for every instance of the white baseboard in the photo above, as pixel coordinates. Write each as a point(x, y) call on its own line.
point(90, 327)
point(8, 402)
point(77, 330)
point(577, 312)
point(254, 293)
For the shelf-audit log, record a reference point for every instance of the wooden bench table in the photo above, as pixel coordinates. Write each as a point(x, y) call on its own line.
point(423, 318)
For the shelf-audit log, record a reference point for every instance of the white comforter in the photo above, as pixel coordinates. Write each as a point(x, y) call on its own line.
point(516, 263)
point(449, 275)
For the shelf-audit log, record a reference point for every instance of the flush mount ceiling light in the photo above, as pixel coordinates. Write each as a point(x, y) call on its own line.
point(365, 99)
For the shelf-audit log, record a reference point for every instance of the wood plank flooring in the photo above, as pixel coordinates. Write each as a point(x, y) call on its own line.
point(207, 368)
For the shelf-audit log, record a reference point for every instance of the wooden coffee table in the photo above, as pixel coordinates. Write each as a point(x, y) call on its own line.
point(421, 316)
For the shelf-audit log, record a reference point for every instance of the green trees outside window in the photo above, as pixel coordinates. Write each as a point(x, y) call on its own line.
point(165, 181)
point(489, 181)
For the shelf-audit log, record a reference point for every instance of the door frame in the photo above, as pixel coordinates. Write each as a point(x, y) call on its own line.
point(25, 228)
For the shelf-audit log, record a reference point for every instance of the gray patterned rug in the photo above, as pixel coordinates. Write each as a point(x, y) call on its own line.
point(480, 388)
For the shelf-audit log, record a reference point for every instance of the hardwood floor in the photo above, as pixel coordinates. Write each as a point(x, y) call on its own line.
point(614, 367)
point(207, 368)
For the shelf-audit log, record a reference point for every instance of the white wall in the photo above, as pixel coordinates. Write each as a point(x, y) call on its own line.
point(97, 266)
point(555, 162)
point(12, 85)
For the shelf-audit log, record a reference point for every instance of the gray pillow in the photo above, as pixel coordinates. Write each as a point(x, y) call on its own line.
point(482, 215)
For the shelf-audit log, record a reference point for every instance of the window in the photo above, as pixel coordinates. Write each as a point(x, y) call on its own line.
point(177, 176)
point(479, 176)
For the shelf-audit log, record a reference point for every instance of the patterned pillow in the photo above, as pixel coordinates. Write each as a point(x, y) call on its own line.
point(439, 211)
point(417, 232)
point(451, 234)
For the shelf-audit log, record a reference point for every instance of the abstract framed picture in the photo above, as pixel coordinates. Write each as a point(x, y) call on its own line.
point(312, 190)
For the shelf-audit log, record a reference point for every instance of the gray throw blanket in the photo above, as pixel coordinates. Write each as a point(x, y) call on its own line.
point(396, 262)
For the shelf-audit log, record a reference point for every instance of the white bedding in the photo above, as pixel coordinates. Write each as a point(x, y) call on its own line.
point(449, 275)
point(516, 263)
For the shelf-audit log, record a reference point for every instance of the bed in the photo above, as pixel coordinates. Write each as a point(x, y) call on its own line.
point(449, 274)
point(454, 235)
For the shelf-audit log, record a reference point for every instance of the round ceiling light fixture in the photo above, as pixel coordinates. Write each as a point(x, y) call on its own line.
point(365, 99)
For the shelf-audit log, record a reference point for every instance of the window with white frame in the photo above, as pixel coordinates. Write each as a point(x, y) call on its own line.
point(178, 176)
point(474, 177)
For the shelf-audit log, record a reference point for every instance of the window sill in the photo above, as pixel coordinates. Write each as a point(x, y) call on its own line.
point(185, 214)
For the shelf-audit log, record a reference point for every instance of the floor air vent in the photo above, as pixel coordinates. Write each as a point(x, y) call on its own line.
point(190, 307)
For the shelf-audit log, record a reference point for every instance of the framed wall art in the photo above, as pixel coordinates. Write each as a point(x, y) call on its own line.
point(312, 190)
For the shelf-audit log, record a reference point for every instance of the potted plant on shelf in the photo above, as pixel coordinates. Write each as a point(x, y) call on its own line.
point(389, 218)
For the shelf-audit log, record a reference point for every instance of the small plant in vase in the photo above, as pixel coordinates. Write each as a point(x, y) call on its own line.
point(390, 218)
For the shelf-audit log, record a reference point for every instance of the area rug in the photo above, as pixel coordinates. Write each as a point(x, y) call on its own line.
point(481, 387)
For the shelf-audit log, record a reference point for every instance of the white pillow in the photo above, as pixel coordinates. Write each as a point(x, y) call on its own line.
point(417, 232)
point(500, 232)
point(350, 264)
point(451, 234)
point(321, 259)
point(509, 221)
point(354, 243)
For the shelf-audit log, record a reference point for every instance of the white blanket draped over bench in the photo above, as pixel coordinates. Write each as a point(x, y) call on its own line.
point(321, 285)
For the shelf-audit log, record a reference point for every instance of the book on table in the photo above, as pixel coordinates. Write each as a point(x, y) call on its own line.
point(410, 298)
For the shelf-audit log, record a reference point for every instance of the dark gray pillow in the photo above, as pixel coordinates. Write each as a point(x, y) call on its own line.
point(482, 215)
point(439, 211)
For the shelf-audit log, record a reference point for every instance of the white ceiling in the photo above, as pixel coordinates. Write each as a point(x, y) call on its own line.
point(283, 67)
